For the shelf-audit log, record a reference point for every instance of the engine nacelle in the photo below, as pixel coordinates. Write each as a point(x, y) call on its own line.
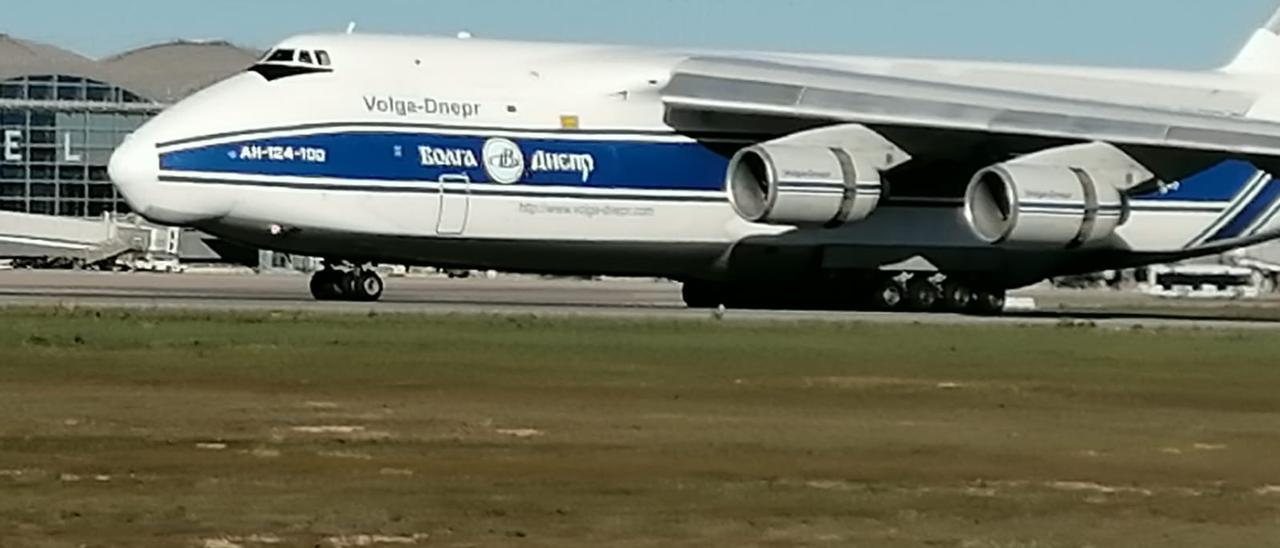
point(803, 186)
point(823, 177)
point(1032, 205)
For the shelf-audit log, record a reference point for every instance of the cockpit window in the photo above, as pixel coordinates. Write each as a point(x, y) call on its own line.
point(286, 63)
point(281, 55)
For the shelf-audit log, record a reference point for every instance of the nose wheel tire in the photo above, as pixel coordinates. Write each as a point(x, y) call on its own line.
point(327, 285)
point(352, 286)
point(367, 286)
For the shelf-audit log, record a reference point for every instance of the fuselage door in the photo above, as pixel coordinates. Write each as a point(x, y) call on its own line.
point(455, 204)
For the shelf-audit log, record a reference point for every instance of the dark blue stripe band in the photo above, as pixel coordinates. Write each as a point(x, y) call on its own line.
point(1250, 213)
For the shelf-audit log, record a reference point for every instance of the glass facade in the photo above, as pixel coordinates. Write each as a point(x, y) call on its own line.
point(56, 137)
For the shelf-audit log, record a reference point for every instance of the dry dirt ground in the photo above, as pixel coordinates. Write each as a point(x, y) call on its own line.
point(214, 429)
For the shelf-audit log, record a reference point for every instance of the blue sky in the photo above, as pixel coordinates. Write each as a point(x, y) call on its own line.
point(1165, 33)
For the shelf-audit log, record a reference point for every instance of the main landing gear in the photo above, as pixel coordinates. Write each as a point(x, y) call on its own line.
point(925, 293)
point(353, 285)
point(902, 292)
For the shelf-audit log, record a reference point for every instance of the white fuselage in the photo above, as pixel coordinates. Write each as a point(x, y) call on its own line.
point(430, 145)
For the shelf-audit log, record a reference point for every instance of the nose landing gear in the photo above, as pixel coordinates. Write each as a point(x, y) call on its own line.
point(354, 285)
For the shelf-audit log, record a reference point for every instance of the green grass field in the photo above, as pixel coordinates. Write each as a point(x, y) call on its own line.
point(245, 429)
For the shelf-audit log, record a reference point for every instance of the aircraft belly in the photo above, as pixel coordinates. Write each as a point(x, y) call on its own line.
point(675, 259)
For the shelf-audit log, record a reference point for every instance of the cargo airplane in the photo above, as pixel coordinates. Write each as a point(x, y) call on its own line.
point(755, 179)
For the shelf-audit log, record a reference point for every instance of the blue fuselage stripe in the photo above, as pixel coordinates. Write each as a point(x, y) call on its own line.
point(1250, 213)
point(1219, 183)
point(560, 161)
point(389, 156)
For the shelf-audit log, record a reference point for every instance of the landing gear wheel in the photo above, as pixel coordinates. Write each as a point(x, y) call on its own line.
point(888, 295)
point(922, 295)
point(326, 285)
point(702, 294)
point(367, 286)
point(956, 296)
point(350, 285)
point(353, 285)
point(988, 302)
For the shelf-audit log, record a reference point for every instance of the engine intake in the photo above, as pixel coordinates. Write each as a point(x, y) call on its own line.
point(1043, 205)
point(802, 185)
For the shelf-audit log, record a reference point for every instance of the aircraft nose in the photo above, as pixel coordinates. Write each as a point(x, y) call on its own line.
point(135, 169)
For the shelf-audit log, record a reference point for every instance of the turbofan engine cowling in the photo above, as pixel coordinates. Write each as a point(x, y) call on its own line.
point(1036, 205)
point(823, 177)
point(802, 185)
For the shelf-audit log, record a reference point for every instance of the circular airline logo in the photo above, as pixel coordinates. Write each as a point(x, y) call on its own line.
point(503, 161)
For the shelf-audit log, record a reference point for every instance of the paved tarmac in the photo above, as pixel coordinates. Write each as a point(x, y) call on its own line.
point(611, 298)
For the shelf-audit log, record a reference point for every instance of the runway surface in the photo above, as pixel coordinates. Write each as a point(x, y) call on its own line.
point(611, 298)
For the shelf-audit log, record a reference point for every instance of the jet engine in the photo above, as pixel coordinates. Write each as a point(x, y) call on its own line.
point(825, 177)
point(1035, 205)
point(1065, 198)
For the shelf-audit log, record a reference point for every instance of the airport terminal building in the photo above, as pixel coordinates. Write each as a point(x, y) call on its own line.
point(62, 114)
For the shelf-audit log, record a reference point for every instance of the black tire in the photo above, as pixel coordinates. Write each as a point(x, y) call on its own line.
point(702, 294)
point(326, 285)
point(888, 295)
point(367, 286)
point(988, 302)
point(956, 296)
point(923, 295)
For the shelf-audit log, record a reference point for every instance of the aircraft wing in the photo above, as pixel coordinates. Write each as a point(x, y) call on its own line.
point(820, 93)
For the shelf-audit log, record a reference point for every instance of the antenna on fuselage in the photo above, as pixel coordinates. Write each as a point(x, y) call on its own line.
point(351, 27)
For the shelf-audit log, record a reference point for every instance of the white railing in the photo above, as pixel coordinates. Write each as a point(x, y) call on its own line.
point(108, 106)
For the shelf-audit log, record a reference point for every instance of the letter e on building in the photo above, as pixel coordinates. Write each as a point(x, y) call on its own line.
point(12, 145)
